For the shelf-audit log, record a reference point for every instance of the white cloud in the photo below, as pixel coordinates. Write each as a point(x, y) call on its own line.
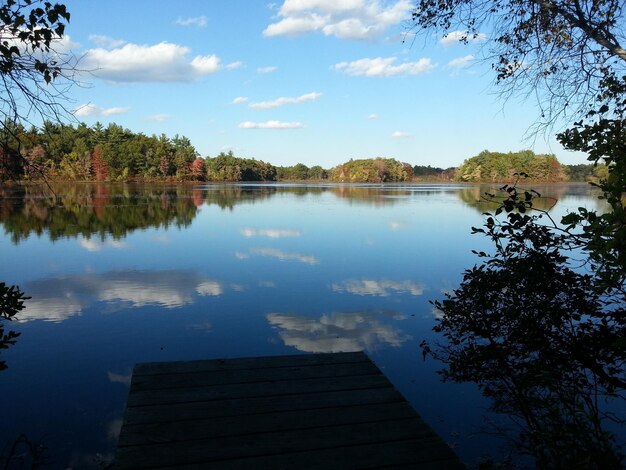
point(158, 117)
point(234, 65)
point(455, 37)
point(284, 100)
point(372, 117)
point(270, 125)
point(378, 287)
point(106, 41)
point(268, 69)
point(270, 233)
point(283, 256)
point(292, 26)
point(91, 110)
point(345, 19)
point(206, 64)
point(461, 62)
point(400, 135)
point(240, 255)
point(162, 62)
point(199, 21)
point(384, 67)
point(240, 100)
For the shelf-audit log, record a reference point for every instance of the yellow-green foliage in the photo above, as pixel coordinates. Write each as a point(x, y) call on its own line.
point(496, 166)
point(372, 170)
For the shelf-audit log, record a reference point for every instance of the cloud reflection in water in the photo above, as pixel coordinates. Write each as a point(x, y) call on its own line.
point(380, 287)
point(270, 233)
point(338, 332)
point(56, 299)
point(284, 256)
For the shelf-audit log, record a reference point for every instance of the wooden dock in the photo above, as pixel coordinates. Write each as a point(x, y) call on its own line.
point(324, 411)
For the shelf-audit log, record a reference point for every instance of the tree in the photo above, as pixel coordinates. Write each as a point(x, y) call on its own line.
point(35, 71)
point(531, 300)
point(11, 302)
point(556, 50)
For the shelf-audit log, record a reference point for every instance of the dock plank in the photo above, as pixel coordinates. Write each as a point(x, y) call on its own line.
point(262, 362)
point(300, 411)
point(251, 406)
point(241, 376)
point(243, 391)
point(139, 434)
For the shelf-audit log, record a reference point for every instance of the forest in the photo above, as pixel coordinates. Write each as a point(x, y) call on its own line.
point(113, 153)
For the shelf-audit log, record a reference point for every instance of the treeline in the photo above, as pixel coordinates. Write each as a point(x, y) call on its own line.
point(497, 166)
point(113, 153)
point(95, 153)
point(372, 170)
point(501, 167)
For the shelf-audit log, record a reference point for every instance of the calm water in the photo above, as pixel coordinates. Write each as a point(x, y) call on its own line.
point(126, 274)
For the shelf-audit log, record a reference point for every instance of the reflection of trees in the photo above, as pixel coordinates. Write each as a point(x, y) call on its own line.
point(370, 195)
point(338, 332)
point(539, 341)
point(92, 209)
point(474, 196)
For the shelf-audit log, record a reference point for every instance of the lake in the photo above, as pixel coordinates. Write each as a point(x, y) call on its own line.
point(120, 274)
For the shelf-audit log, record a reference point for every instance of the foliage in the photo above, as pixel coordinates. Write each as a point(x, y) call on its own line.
point(495, 166)
point(433, 173)
point(227, 167)
point(540, 324)
point(11, 302)
point(102, 153)
point(553, 50)
point(301, 172)
point(372, 170)
point(540, 338)
point(586, 172)
point(36, 71)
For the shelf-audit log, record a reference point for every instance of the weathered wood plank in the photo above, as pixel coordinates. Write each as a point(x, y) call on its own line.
point(240, 376)
point(422, 454)
point(243, 391)
point(141, 434)
point(232, 447)
point(302, 411)
point(263, 362)
point(258, 405)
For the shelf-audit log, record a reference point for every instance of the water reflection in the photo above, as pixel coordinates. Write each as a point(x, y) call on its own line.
point(120, 378)
point(97, 245)
point(282, 255)
point(270, 233)
point(474, 196)
point(338, 332)
point(56, 299)
point(92, 211)
point(380, 287)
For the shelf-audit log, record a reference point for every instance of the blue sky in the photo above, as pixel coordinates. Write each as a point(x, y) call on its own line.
point(311, 81)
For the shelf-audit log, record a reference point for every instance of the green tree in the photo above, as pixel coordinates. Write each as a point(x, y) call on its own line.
point(32, 67)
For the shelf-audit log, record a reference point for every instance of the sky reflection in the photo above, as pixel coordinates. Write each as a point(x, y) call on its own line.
point(338, 332)
point(56, 299)
point(380, 287)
